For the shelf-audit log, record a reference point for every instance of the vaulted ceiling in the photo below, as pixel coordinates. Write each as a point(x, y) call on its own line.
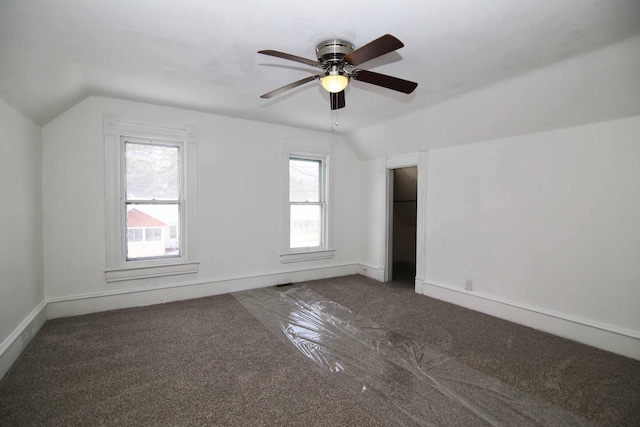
point(202, 54)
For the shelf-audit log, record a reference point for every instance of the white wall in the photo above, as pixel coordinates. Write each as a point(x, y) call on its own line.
point(373, 217)
point(239, 203)
point(21, 282)
point(551, 220)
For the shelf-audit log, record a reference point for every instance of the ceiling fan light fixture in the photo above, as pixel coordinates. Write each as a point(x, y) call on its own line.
point(334, 82)
point(335, 58)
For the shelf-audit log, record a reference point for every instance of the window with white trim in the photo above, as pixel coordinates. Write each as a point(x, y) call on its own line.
point(306, 219)
point(150, 183)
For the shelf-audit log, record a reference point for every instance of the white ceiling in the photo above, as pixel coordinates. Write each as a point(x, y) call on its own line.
point(202, 54)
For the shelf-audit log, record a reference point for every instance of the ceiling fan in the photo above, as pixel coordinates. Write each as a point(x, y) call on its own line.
point(337, 58)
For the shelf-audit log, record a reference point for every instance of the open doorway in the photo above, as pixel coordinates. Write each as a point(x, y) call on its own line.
point(403, 219)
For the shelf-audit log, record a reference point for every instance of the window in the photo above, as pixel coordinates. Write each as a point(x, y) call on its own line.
point(306, 222)
point(152, 195)
point(149, 179)
point(134, 234)
point(306, 203)
point(154, 234)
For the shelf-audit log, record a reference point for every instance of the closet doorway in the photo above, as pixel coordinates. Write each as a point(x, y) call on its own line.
point(402, 224)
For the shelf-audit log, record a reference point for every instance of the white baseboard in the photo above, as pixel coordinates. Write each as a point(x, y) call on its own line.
point(18, 340)
point(73, 305)
point(606, 337)
point(376, 273)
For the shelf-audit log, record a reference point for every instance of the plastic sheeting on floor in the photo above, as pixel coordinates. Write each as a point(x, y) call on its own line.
point(401, 381)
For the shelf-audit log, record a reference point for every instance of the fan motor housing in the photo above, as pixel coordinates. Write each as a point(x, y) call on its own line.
point(333, 50)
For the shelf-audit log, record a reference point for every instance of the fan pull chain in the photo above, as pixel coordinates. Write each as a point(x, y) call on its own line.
point(334, 120)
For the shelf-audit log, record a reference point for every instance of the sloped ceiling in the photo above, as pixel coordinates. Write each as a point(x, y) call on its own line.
point(201, 54)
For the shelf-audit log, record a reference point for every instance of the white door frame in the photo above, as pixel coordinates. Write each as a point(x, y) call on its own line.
point(420, 161)
point(388, 263)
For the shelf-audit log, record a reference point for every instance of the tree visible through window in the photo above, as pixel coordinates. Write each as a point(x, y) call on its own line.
point(152, 199)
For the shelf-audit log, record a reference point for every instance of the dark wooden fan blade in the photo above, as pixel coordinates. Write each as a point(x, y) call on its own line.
point(378, 47)
point(289, 86)
point(291, 57)
point(337, 100)
point(393, 83)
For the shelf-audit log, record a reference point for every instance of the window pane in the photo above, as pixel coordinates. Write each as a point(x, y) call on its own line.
point(304, 180)
point(152, 172)
point(148, 229)
point(306, 230)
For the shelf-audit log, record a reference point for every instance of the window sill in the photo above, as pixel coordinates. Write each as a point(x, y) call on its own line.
point(143, 272)
point(307, 256)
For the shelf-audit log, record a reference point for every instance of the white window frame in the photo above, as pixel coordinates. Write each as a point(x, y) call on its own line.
point(326, 250)
point(118, 268)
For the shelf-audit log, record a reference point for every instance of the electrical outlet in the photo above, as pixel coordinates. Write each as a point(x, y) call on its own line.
point(468, 284)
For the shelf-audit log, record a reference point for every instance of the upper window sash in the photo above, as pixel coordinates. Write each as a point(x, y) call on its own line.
point(178, 145)
point(307, 192)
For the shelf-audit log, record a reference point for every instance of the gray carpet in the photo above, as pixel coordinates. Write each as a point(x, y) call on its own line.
point(210, 362)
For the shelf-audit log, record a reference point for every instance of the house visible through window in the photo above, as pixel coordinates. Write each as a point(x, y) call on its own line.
point(153, 202)
point(306, 203)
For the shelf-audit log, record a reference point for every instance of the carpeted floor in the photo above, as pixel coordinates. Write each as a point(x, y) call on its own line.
point(210, 362)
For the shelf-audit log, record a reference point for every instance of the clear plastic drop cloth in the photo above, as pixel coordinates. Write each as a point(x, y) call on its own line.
point(401, 381)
